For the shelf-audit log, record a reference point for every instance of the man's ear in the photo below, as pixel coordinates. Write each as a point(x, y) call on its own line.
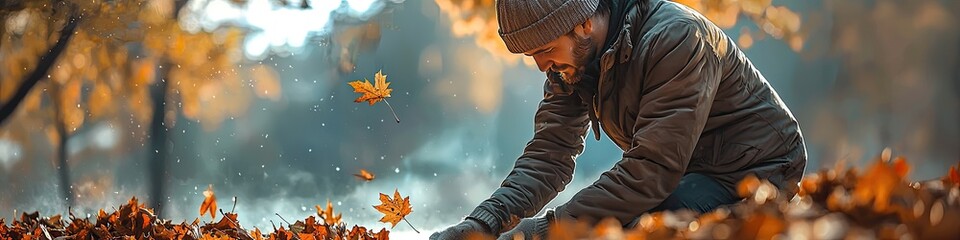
point(588, 26)
point(585, 28)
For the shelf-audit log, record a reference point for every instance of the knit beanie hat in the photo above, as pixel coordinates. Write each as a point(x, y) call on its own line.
point(528, 24)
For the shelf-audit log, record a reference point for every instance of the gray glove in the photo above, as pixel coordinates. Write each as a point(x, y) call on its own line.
point(530, 228)
point(461, 230)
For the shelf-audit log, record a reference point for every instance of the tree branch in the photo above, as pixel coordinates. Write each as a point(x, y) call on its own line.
point(46, 61)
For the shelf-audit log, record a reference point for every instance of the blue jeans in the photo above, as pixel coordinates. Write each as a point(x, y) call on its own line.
point(697, 192)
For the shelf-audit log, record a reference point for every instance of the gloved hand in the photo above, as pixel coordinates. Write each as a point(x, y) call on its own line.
point(461, 230)
point(530, 228)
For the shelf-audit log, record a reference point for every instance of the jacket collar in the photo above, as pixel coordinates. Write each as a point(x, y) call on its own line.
point(620, 48)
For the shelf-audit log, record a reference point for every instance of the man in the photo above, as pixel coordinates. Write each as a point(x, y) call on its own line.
point(690, 111)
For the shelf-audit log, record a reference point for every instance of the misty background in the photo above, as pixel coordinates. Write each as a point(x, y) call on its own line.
point(869, 75)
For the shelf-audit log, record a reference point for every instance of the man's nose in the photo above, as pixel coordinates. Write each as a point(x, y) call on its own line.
point(543, 64)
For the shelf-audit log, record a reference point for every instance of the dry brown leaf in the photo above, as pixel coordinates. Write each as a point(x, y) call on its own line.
point(953, 176)
point(209, 203)
point(877, 185)
point(762, 226)
point(365, 175)
point(901, 167)
point(256, 234)
point(565, 229)
point(327, 214)
point(748, 186)
point(608, 228)
point(210, 236)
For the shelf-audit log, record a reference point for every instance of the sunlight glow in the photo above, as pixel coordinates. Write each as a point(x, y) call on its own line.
point(277, 29)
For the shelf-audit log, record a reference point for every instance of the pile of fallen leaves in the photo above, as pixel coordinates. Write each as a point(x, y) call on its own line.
point(134, 221)
point(838, 203)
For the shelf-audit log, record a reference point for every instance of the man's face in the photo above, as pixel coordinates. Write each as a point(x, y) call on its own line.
point(568, 55)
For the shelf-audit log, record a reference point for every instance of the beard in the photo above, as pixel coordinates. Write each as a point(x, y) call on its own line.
point(583, 54)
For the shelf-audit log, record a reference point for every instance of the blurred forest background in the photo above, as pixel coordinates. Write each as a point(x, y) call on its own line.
point(103, 100)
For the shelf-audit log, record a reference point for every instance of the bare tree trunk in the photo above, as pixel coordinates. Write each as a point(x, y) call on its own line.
point(63, 169)
point(46, 61)
point(956, 82)
point(158, 131)
point(158, 142)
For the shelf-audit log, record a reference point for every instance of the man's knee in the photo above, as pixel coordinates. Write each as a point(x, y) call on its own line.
point(697, 192)
point(677, 201)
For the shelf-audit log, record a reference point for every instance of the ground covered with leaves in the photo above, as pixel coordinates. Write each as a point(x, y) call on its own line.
point(134, 221)
point(838, 203)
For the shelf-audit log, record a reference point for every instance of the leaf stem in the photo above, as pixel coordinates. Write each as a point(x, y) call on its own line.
point(236, 224)
point(391, 110)
point(284, 220)
point(411, 225)
point(234, 204)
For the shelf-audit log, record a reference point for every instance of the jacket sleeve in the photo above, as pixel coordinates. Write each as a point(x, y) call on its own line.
point(680, 81)
point(547, 163)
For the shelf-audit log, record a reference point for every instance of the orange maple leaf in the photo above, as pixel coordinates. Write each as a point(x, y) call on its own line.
point(395, 209)
point(255, 233)
point(365, 175)
point(748, 186)
point(373, 93)
point(878, 183)
point(209, 203)
point(327, 215)
point(901, 167)
point(952, 175)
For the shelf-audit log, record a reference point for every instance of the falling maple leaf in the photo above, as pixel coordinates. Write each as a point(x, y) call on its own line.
point(365, 175)
point(379, 91)
point(395, 209)
point(373, 93)
point(209, 203)
point(327, 215)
